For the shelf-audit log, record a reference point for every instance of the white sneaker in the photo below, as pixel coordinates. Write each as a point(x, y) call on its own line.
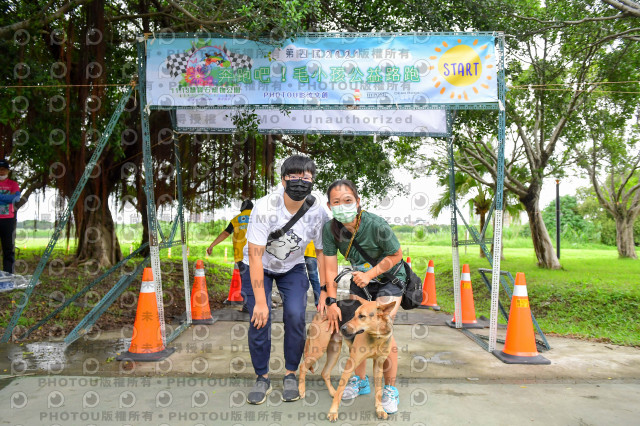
point(390, 399)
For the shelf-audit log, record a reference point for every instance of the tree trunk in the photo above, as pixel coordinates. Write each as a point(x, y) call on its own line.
point(97, 240)
point(145, 231)
point(142, 208)
point(540, 236)
point(624, 237)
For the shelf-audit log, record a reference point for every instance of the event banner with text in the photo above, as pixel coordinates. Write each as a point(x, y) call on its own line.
point(312, 71)
point(422, 122)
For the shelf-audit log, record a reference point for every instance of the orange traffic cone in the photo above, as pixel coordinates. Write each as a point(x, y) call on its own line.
point(466, 299)
point(429, 300)
point(520, 343)
point(235, 289)
point(146, 342)
point(200, 310)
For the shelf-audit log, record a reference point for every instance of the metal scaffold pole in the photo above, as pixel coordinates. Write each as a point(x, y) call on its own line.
point(497, 231)
point(183, 240)
point(455, 255)
point(152, 220)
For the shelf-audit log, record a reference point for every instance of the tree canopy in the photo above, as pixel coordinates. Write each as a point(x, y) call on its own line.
point(72, 59)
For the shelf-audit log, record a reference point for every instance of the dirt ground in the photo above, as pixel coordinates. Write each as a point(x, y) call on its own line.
point(59, 282)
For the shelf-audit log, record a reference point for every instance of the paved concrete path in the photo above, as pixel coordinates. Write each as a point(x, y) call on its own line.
point(444, 378)
point(79, 400)
point(425, 352)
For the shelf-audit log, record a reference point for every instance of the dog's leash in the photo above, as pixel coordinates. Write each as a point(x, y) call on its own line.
point(366, 292)
point(346, 271)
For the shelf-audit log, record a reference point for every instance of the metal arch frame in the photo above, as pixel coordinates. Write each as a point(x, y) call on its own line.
point(323, 34)
point(155, 245)
point(498, 203)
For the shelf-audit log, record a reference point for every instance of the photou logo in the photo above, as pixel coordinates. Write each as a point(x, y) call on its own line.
point(199, 399)
point(164, 399)
point(90, 399)
point(199, 365)
point(127, 399)
point(19, 400)
point(55, 399)
point(237, 399)
point(418, 398)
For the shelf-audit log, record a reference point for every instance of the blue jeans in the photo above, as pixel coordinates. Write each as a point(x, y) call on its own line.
point(314, 278)
point(293, 286)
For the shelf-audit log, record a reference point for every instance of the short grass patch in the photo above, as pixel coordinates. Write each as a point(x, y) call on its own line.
point(595, 295)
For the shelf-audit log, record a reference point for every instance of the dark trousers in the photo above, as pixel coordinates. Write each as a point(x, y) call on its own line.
point(8, 240)
point(293, 286)
point(314, 278)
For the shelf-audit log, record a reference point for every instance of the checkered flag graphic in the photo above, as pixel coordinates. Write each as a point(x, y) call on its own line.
point(177, 64)
point(238, 60)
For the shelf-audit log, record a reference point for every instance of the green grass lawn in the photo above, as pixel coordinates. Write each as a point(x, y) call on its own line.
point(595, 295)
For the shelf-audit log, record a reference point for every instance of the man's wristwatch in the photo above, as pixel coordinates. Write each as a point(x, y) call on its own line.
point(330, 301)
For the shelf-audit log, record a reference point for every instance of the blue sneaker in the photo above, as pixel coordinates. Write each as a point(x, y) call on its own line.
point(356, 386)
point(390, 399)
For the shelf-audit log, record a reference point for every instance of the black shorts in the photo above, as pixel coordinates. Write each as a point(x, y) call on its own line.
point(376, 289)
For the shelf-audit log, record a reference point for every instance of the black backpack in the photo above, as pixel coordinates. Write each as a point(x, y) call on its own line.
point(412, 297)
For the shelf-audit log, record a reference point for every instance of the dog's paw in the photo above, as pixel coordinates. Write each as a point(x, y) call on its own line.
point(381, 414)
point(332, 417)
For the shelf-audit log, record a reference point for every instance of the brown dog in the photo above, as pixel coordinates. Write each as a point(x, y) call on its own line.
point(368, 335)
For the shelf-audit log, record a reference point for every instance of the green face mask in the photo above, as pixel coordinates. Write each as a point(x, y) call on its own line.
point(345, 213)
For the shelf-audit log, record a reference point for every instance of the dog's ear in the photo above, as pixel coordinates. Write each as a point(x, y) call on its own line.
point(386, 308)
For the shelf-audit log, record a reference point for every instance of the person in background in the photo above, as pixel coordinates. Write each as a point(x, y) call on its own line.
point(9, 196)
point(238, 227)
point(312, 270)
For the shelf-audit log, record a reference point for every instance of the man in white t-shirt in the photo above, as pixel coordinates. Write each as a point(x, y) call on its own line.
point(281, 259)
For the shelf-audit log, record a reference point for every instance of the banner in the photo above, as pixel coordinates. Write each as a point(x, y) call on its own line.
point(401, 122)
point(317, 70)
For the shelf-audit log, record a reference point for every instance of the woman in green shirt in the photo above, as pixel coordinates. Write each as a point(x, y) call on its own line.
point(375, 237)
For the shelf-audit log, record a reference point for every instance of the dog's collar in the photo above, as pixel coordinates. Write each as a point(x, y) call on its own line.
point(382, 336)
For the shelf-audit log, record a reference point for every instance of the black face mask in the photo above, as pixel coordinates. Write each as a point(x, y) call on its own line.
point(298, 191)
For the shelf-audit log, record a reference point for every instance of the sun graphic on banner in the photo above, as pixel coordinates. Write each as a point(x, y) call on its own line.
point(461, 69)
